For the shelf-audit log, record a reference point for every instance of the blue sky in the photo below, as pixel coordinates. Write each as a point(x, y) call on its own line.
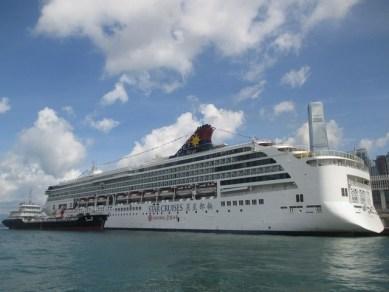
point(248, 68)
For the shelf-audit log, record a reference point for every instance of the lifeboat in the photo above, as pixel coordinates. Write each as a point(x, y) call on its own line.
point(166, 192)
point(135, 196)
point(149, 195)
point(101, 200)
point(206, 188)
point(135, 193)
point(121, 197)
point(91, 201)
point(184, 190)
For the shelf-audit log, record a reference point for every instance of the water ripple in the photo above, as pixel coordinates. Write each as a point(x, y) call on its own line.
point(157, 261)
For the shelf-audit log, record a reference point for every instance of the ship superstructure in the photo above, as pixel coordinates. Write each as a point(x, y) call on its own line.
point(31, 216)
point(28, 211)
point(253, 187)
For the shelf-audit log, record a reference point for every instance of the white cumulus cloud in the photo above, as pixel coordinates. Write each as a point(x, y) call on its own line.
point(251, 91)
point(296, 78)
point(43, 154)
point(138, 36)
point(184, 126)
point(335, 134)
point(4, 105)
point(288, 41)
point(69, 110)
point(328, 10)
point(143, 35)
point(104, 125)
point(51, 144)
point(374, 144)
point(118, 94)
point(147, 82)
point(283, 107)
point(301, 135)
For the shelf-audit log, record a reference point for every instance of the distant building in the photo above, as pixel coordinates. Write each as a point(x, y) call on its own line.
point(380, 188)
point(373, 168)
point(381, 165)
point(387, 161)
point(318, 139)
point(362, 153)
point(379, 172)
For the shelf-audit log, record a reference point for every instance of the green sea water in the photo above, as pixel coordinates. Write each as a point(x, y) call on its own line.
point(176, 261)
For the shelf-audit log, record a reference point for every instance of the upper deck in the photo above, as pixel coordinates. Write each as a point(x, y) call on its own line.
point(333, 157)
point(249, 163)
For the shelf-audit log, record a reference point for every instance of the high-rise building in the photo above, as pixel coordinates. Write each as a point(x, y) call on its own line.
point(362, 153)
point(381, 165)
point(318, 139)
point(387, 161)
point(373, 169)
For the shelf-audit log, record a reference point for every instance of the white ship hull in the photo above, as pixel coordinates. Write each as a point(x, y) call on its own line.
point(333, 215)
point(256, 219)
point(322, 209)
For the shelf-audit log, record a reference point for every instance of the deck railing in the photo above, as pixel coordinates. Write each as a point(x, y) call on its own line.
point(334, 153)
point(337, 154)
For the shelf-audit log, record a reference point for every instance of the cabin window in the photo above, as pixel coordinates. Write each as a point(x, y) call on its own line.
point(253, 202)
point(228, 203)
point(344, 192)
point(247, 202)
point(223, 203)
point(260, 202)
point(240, 202)
point(299, 198)
point(234, 203)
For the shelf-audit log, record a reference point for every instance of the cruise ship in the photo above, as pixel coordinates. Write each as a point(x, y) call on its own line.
point(255, 187)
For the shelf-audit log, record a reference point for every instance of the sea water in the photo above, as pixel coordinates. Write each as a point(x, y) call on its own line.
point(179, 261)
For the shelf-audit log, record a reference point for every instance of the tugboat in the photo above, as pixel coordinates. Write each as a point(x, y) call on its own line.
point(31, 216)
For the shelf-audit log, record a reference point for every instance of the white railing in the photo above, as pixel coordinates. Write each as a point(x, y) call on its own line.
point(332, 153)
point(326, 157)
point(337, 154)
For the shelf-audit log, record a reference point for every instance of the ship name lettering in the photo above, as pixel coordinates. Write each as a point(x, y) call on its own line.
point(166, 208)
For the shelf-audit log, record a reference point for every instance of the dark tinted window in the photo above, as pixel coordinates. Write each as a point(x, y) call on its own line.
point(255, 179)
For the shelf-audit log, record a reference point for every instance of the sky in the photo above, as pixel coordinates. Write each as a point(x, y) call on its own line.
point(93, 82)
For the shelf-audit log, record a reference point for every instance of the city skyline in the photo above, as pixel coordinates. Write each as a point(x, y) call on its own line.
point(84, 82)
